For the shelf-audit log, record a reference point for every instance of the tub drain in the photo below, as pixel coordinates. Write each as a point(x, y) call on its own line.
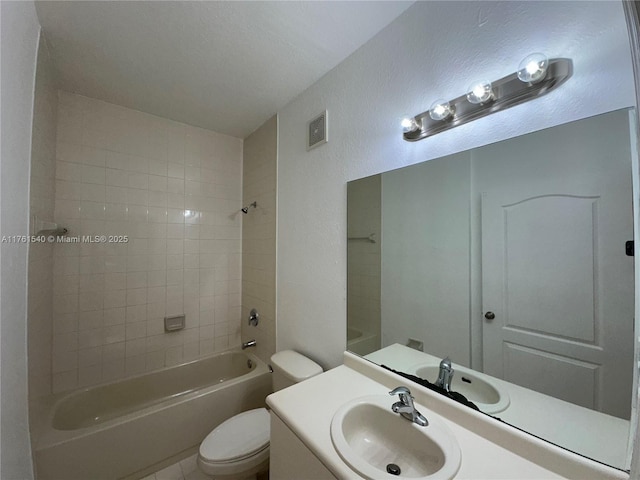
point(393, 469)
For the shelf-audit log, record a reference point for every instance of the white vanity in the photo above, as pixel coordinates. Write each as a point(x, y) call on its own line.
point(309, 419)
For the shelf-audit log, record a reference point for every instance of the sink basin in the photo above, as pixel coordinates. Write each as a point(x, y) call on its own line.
point(368, 436)
point(477, 387)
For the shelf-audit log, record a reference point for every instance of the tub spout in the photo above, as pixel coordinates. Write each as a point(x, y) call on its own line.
point(250, 343)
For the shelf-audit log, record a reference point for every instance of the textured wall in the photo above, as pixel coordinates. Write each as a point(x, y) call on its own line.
point(41, 201)
point(19, 44)
point(416, 59)
point(175, 191)
point(259, 236)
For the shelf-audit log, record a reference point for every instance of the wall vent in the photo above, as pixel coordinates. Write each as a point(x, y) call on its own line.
point(317, 132)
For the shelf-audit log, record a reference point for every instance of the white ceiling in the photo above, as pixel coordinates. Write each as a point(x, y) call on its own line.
point(225, 66)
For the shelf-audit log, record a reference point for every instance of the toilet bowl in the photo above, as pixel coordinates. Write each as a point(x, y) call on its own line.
point(238, 448)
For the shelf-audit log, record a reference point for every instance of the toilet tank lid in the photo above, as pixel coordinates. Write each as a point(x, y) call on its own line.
point(294, 365)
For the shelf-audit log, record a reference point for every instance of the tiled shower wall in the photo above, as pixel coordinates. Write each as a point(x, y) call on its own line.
point(175, 192)
point(259, 237)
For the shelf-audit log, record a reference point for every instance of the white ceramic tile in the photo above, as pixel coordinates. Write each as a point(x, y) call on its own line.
point(157, 183)
point(115, 194)
point(93, 192)
point(65, 361)
point(157, 167)
point(189, 465)
point(135, 365)
point(173, 472)
point(137, 279)
point(137, 196)
point(90, 375)
point(115, 264)
point(89, 356)
point(136, 347)
point(68, 171)
point(69, 152)
point(176, 171)
point(138, 180)
point(65, 323)
point(93, 174)
point(136, 330)
point(175, 230)
point(174, 246)
point(90, 338)
point(175, 185)
point(113, 334)
point(176, 200)
point(90, 320)
point(158, 199)
point(65, 381)
point(116, 177)
point(136, 313)
point(113, 370)
point(150, 179)
point(113, 351)
point(114, 316)
point(115, 299)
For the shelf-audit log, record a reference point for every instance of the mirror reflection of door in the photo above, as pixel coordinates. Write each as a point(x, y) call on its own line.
point(554, 269)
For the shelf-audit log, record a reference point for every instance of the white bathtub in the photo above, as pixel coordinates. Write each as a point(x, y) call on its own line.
point(115, 430)
point(362, 343)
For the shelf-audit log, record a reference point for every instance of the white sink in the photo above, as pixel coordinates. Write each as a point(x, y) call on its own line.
point(477, 387)
point(369, 436)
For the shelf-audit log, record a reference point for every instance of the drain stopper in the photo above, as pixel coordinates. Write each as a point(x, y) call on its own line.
point(393, 469)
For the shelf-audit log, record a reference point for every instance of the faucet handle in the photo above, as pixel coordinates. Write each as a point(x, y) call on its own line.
point(446, 363)
point(399, 390)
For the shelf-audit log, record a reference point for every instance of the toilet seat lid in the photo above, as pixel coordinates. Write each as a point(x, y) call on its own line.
point(238, 437)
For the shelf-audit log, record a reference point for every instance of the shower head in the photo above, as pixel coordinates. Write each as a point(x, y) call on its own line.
point(246, 209)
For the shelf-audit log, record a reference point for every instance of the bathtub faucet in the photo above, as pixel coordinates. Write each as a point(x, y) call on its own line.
point(250, 343)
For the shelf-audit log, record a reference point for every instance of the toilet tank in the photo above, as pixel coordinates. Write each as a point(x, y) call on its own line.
point(290, 367)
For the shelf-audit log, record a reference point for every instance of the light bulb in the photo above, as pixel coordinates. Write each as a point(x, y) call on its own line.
point(533, 68)
point(440, 110)
point(408, 124)
point(480, 92)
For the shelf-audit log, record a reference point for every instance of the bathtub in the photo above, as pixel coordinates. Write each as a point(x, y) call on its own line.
point(115, 430)
point(362, 343)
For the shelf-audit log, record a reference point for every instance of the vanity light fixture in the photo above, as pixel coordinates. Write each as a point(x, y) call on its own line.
point(480, 92)
point(536, 76)
point(440, 110)
point(408, 124)
point(533, 68)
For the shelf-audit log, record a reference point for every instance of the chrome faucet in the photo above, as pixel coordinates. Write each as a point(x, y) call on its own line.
point(250, 343)
point(445, 375)
point(406, 408)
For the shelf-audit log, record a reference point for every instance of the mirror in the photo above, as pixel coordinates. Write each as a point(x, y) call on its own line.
point(513, 260)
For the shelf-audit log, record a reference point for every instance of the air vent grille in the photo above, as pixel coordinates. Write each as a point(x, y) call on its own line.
point(317, 131)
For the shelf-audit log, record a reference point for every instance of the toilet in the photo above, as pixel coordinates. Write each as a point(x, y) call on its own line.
point(238, 448)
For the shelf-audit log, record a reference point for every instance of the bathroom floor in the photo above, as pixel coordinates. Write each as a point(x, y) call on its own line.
point(186, 469)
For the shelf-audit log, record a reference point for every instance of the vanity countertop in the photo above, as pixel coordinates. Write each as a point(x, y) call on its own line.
point(490, 449)
point(537, 413)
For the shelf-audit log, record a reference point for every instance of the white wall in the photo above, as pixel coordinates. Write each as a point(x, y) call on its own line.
point(19, 40)
point(435, 49)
